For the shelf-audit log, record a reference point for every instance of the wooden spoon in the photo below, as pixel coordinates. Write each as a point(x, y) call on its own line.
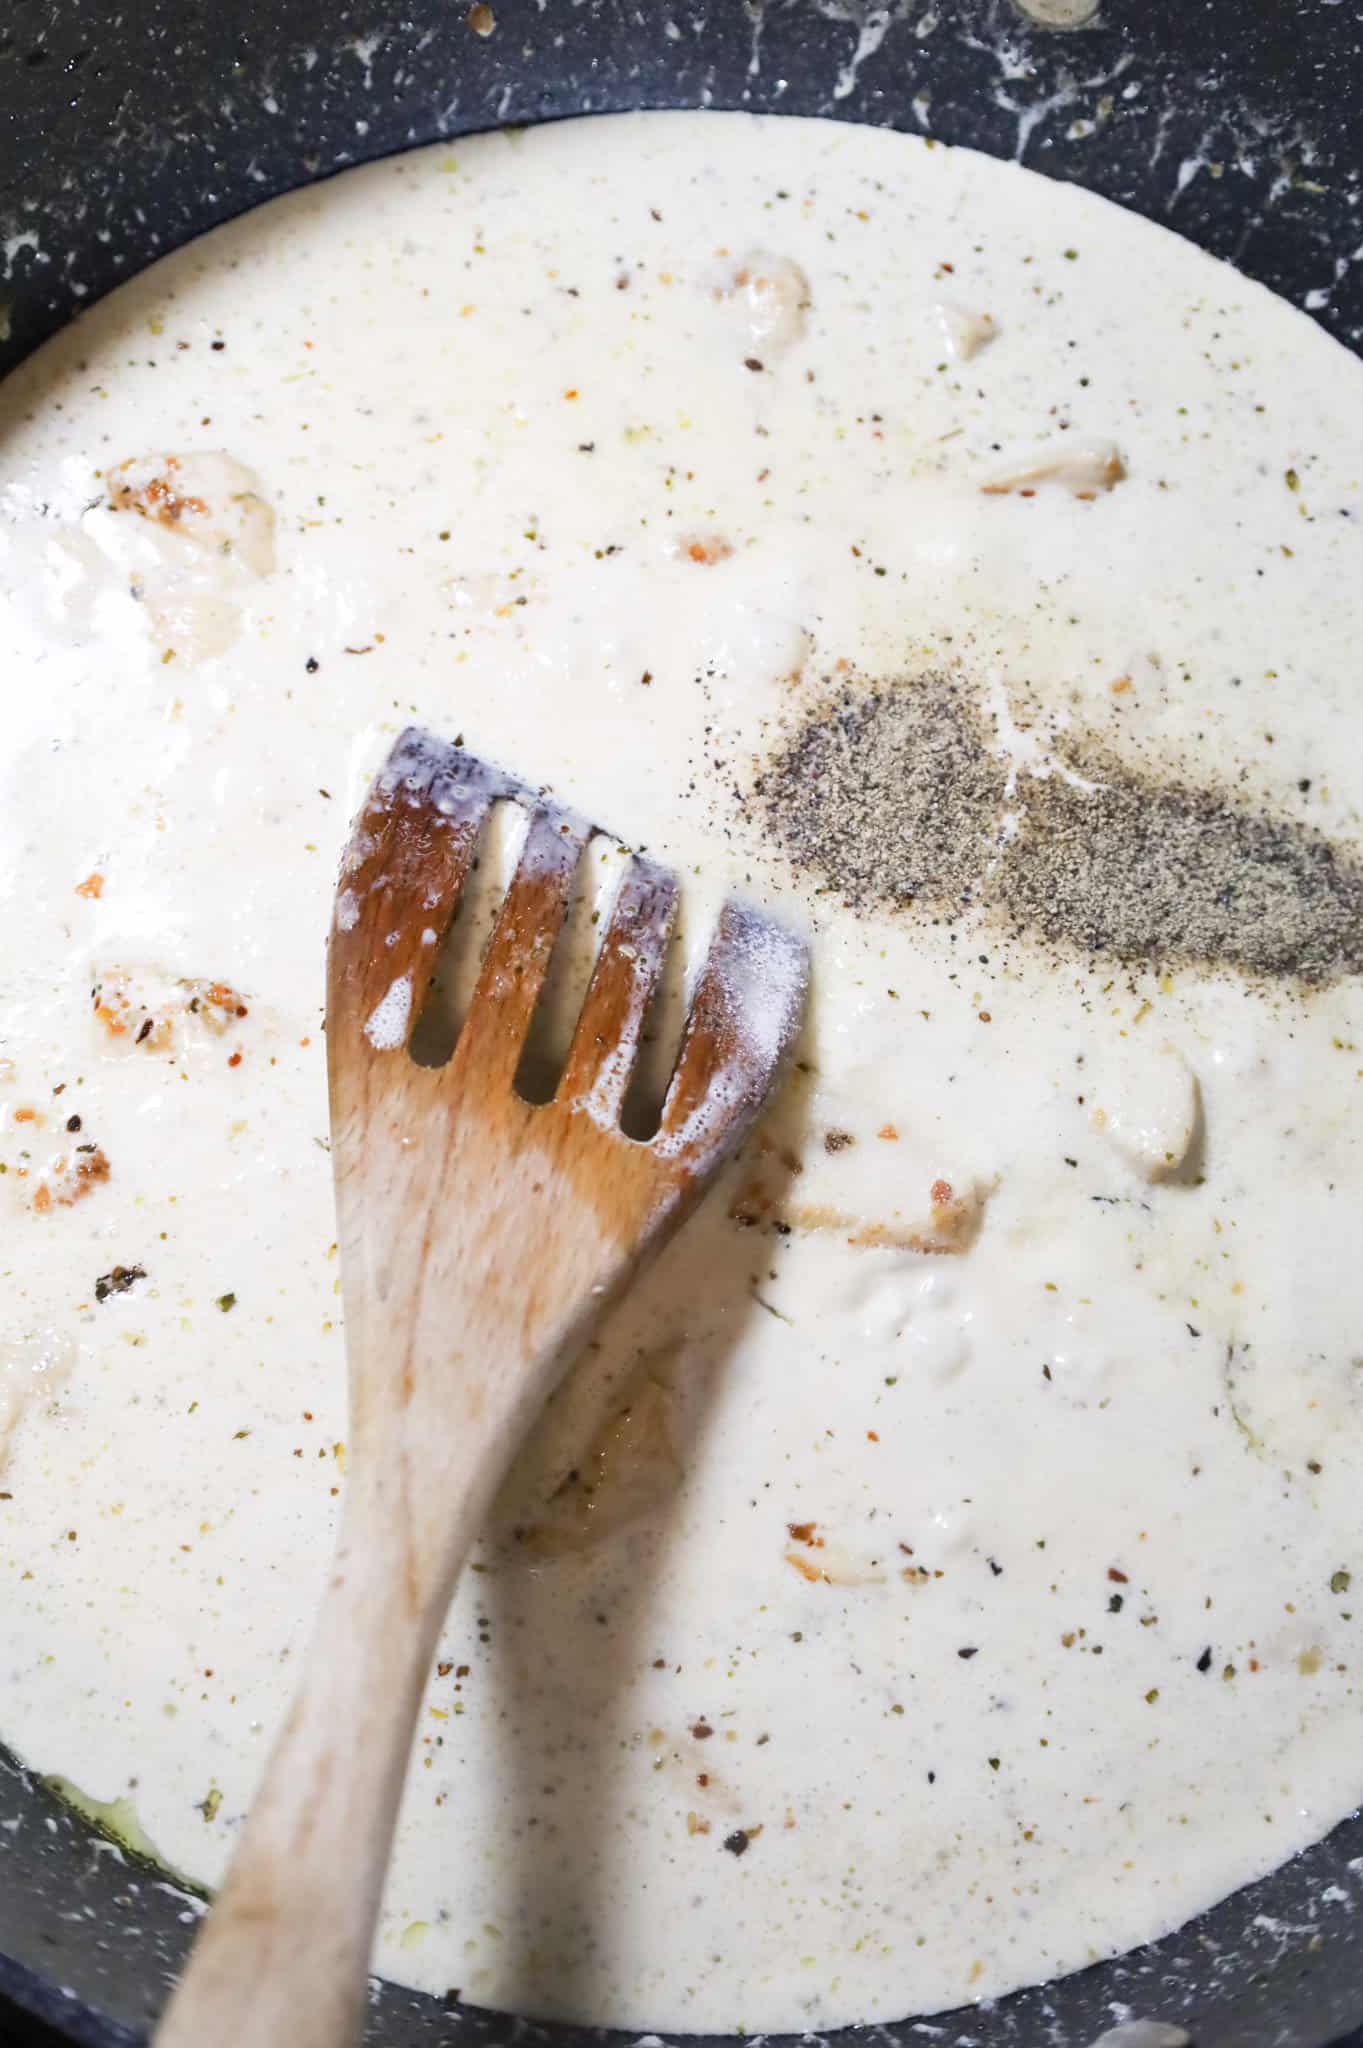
point(481, 1238)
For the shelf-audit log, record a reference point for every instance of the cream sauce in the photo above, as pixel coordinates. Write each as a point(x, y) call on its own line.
point(955, 1585)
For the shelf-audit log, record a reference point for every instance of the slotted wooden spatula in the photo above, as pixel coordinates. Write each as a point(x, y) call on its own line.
point(481, 1237)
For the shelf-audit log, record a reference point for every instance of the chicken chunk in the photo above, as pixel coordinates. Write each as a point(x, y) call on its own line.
point(771, 297)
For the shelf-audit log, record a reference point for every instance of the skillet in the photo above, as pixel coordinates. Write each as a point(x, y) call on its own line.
point(127, 129)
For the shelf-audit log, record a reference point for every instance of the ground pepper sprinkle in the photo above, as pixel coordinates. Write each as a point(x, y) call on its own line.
point(899, 798)
point(889, 798)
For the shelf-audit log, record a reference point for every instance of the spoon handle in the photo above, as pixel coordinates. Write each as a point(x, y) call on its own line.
point(283, 1956)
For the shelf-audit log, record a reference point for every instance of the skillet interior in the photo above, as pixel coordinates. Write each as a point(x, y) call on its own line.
point(124, 136)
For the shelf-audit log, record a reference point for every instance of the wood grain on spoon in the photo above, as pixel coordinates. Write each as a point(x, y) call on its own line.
point(481, 1237)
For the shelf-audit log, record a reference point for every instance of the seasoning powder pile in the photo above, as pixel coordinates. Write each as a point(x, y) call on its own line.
point(900, 797)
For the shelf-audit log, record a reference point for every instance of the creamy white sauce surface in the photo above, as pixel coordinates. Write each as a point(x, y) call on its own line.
point(960, 1578)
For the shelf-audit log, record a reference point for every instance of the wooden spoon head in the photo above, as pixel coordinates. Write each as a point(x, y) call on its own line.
point(402, 879)
point(447, 1180)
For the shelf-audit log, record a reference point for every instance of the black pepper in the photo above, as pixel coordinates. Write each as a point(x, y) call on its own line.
point(118, 1281)
point(893, 797)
